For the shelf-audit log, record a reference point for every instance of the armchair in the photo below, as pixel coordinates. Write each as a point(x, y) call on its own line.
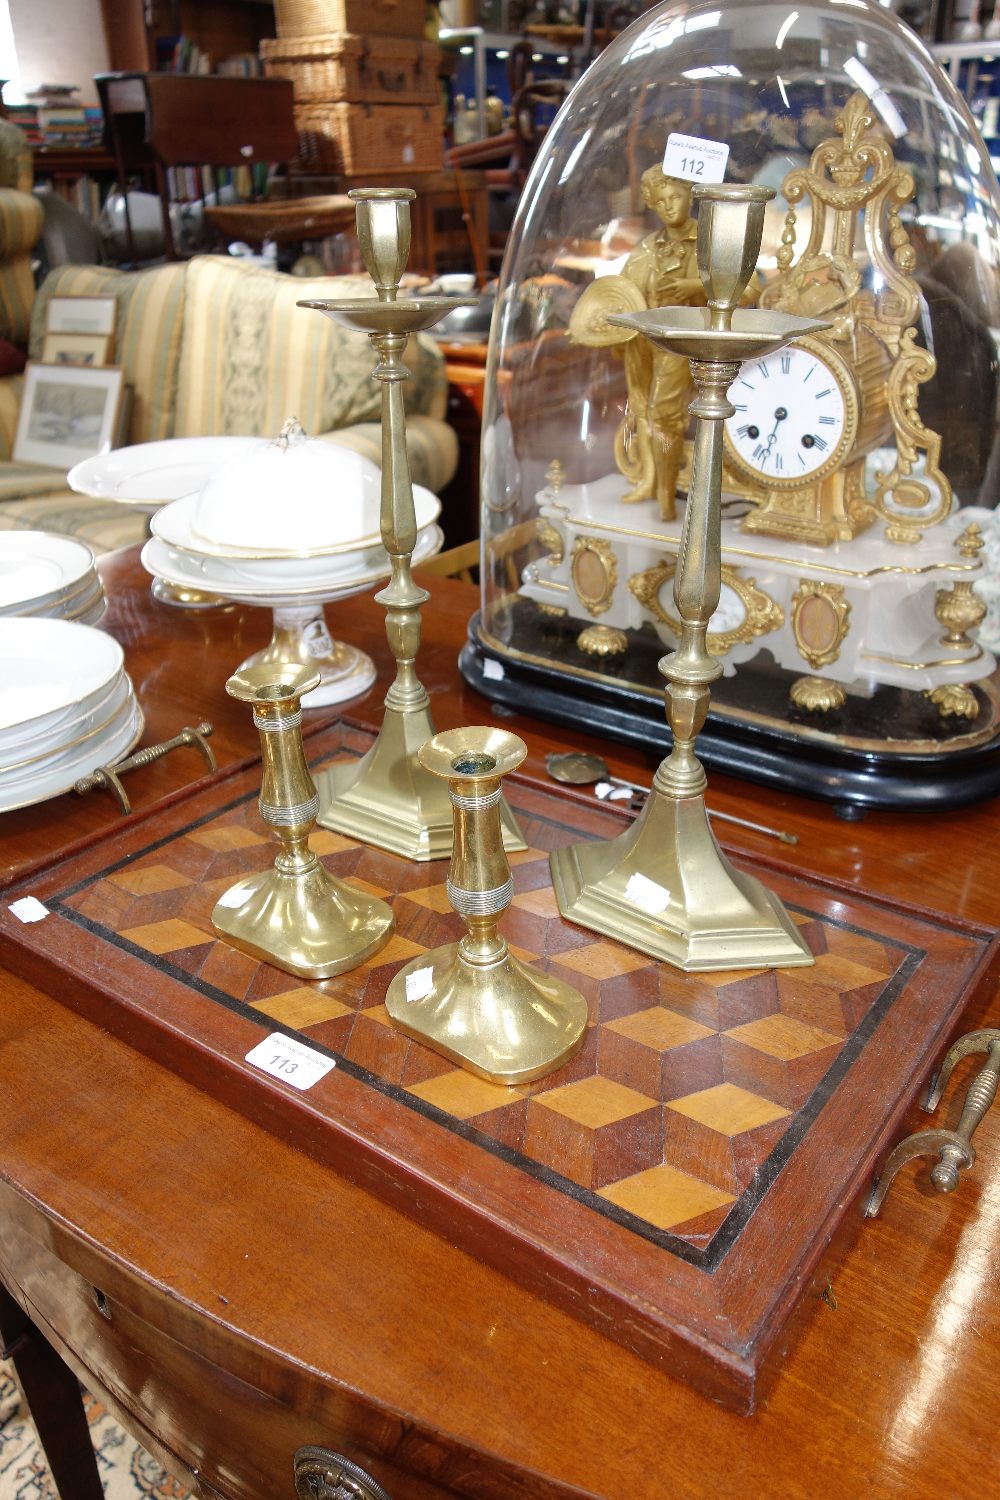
point(20, 225)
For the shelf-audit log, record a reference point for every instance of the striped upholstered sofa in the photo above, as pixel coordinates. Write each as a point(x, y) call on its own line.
point(21, 217)
point(215, 346)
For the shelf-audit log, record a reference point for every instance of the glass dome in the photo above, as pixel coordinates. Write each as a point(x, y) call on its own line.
point(886, 222)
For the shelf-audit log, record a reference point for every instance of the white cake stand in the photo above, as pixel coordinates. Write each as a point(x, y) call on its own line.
point(300, 632)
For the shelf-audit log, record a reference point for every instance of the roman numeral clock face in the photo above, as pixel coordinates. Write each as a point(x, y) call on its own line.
point(791, 424)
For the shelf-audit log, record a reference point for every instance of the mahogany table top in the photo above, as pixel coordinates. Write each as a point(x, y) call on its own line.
point(366, 1322)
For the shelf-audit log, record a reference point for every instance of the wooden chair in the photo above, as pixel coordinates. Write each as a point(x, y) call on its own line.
point(171, 123)
point(457, 562)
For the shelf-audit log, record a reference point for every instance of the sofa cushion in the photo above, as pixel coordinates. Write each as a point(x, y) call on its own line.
point(103, 525)
point(147, 337)
point(241, 321)
point(21, 217)
point(11, 390)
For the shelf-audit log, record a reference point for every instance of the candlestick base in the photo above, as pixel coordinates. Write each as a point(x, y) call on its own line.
point(387, 798)
point(665, 887)
point(504, 1022)
point(305, 922)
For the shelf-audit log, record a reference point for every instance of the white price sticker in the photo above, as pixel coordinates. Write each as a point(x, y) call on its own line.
point(289, 1060)
point(418, 984)
point(493, 670)
point(647, 894)
point(695, 159)
point(28, 909)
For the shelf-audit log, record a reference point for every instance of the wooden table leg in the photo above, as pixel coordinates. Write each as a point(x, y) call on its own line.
point(55, 1401)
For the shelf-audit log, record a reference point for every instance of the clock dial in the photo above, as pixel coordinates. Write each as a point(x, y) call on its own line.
point(791, 416)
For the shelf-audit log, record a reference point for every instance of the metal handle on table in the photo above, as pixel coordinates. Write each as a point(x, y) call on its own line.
point(954, 1148)
point(321, 1474)
point(108, 776)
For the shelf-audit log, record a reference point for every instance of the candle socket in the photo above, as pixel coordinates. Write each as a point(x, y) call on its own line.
point(664, 886)
point(473, 1000)
point(387, 798)
point(295, 915)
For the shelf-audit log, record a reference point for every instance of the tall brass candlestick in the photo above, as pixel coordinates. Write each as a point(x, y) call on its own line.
point(295, 915)
point(473, 1000)
point(664, 886)
point(388, 798)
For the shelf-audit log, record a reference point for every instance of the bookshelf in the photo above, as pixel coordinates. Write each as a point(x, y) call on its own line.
point(82, 177)
point(208, 36)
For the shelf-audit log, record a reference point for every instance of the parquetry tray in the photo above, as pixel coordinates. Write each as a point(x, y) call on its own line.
point(674, 1185)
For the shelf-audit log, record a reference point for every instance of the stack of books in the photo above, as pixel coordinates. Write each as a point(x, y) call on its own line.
point(182, 55)
point(53, 117)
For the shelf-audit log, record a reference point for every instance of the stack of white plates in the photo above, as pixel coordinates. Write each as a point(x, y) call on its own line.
point(180, 556)
point(51, 576)
point(66, 707)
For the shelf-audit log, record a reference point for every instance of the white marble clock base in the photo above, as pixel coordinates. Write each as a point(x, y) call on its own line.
point(859, 612)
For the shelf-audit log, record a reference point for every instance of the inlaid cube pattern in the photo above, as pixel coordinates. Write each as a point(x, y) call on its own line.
point(683, 1087)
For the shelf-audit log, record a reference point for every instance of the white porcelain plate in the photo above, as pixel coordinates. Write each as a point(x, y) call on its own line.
point(149, 475)
point(49, 666)
point(36, 564)
point(175, 525)
point(55, 778)
point(62, 738)
point(184, 571)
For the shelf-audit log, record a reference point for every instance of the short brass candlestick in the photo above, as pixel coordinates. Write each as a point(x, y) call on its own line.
point(664, 886)
point(387, 798)
point(473, 1000)
point(295, 915)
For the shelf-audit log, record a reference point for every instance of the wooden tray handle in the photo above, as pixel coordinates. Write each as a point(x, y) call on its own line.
point(954, 1148)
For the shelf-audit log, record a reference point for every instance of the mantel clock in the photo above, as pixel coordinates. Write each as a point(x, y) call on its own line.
point(808, 419)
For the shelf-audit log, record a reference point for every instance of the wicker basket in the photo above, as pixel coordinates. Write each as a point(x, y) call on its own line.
point(366, 17)
point(372, 70)
point(357, 140)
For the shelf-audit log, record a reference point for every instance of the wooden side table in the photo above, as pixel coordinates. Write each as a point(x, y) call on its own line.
point(449, 216)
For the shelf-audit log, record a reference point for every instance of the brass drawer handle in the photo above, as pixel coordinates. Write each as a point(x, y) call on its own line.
point(321, 1474)
point(954, 1148)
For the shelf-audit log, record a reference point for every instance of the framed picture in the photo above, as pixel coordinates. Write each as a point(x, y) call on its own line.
point(76, 349)
point(81, 315)
point(68, 413)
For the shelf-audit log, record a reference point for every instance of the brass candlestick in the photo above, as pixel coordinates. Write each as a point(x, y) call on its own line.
point(387, 798)
point(473, 1000)
point(664, 886)
point(295, 915)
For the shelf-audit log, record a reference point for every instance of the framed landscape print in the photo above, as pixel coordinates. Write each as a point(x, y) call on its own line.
point(68, 413)
point(76, 349)
point(81, 315)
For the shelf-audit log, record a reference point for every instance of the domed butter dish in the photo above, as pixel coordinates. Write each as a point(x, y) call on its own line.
point(290, 496)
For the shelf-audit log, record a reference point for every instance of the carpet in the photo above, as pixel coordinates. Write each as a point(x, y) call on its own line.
point(127, 1471)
